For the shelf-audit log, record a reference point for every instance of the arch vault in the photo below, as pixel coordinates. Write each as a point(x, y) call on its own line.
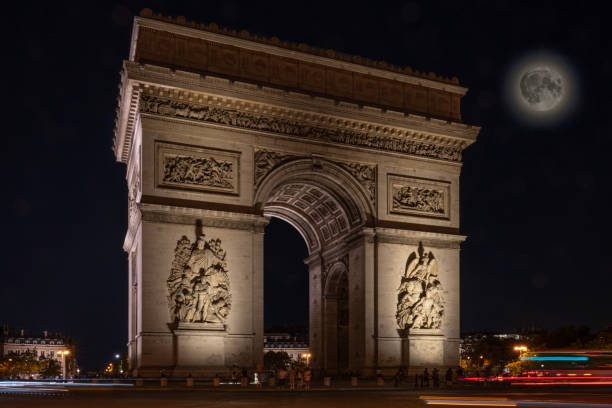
point(220, 132)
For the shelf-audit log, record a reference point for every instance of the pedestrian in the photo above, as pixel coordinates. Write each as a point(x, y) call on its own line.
point(300, 378)
point(459, 372)
point(397, 378)
point(379, 377)
point(307, 378)
point(244, 378)
point(234, 375)
point(258, 373)
point(292, 378)
point(282, 377)
point(425, 382)
point(416, 381)
point(436, 378)
point(449, 377)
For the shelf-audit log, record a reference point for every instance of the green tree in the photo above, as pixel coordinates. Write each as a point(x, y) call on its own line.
point(274, 360)
point(516, 368)
point(23, 364)
point(51, 369)
point(600, 341)
point(120, 366)
point(490, 352)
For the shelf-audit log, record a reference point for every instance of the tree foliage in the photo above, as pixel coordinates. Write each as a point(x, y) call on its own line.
point(51, 369)
point(29, 364)
point(494, 352)
point(24, 364)
point(275, 360)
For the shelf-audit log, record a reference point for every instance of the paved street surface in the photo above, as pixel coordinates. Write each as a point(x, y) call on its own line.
point(152, 397)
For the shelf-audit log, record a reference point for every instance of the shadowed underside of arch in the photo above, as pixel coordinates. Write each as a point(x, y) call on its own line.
point(320, 199)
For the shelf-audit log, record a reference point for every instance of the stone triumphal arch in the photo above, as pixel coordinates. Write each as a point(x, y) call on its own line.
point(221, 130)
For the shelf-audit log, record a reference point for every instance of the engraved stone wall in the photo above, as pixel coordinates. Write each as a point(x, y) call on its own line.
point(232, 117)
point(421, 197)
point(366, 175)
point(198, 285)
point(196, 168)
point(266, 161)
point(419, 301)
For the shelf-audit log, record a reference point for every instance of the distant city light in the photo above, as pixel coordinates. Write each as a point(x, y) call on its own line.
point(556, 358)
point(116, 355)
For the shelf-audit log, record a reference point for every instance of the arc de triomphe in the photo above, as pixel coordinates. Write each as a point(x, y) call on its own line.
point(221, 130)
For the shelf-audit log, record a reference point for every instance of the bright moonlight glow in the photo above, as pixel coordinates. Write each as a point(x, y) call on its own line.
point(541, 89)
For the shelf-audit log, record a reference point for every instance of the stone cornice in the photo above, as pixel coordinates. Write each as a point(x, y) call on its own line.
point(243, 39)
point(209, 84)
point(433, 239)
point(125, 117)
point(382, 129)
point(208, 218)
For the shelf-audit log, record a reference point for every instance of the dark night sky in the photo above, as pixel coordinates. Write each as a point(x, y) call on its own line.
point(535, 200)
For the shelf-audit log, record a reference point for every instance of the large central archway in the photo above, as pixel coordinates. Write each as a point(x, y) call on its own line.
point(329, 208)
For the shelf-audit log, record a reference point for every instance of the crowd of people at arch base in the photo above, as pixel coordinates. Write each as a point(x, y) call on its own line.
point(426, 379)
point(295, 377)
point(299, 378)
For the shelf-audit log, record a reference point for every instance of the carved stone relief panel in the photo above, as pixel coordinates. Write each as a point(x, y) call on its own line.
point(195, 168)
point(365, 174)
point(133, 192)
point(265, 161)
point(419, 301)
point(417, 196)
point(198, 285)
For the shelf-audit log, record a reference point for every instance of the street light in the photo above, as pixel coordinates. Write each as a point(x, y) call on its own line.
point(307, 357)
point(520, 349)
point(63, 353)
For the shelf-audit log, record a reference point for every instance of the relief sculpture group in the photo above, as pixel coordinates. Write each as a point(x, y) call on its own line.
point(198, 286)
point(418, 199)
point(419, 301)
point(198, 171)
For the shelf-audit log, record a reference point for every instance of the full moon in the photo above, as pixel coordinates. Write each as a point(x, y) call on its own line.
point(541, 88)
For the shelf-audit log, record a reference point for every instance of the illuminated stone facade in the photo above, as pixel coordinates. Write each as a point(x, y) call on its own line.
point(221, 131)
point(44, 346)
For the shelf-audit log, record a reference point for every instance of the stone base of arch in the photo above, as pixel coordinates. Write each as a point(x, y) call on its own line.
point(372, 260)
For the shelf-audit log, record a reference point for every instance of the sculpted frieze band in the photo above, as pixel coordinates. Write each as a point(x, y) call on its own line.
point(232, 117)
